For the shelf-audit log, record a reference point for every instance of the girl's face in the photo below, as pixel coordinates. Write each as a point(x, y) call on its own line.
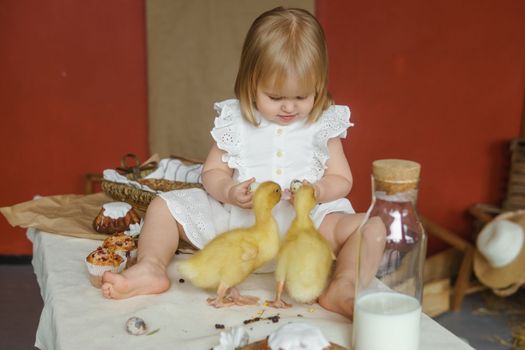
point(285, 105)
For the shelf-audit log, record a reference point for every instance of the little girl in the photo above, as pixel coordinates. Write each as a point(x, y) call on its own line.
point(282, 126)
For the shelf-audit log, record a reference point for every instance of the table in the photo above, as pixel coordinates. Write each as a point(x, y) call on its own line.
point(77, 316)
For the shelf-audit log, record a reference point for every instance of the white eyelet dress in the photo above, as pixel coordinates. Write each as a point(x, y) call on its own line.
point(266, 152)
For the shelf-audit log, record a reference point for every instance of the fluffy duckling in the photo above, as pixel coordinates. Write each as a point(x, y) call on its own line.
point(233, 255)
point(305, 258)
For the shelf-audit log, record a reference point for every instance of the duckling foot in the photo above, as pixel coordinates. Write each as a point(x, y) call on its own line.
point(239, 299)
point(219, 302)
point(278, 304)
point(222, 299)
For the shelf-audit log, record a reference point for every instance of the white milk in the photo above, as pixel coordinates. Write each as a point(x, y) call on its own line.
point(386, 321)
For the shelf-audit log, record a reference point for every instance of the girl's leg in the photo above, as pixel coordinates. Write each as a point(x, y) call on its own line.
point(158, 241)
point(339, 230)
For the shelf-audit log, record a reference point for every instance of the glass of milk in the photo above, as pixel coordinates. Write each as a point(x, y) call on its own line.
point(392, 248)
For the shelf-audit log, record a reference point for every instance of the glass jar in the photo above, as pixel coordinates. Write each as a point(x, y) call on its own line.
point(389, 283)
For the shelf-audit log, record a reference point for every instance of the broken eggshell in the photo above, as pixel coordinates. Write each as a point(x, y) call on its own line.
point(294, 185)
point(136, 326)
point(253, 187)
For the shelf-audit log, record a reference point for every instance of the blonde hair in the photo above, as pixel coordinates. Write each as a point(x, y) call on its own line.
point(280, 43)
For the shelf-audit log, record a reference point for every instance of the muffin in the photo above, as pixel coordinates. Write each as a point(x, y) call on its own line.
point(294, 336)
point(263, 345)
point(122, 245)
point(102, 260)
point(115, 217)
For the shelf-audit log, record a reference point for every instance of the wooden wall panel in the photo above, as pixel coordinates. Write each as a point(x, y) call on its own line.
point(193, 54)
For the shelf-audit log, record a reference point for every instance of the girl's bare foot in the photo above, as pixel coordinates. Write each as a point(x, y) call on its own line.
point(142, 278)
point(339, 297)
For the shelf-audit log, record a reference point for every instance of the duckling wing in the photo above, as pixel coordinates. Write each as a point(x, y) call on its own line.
point(240, 262)
point(249, 251)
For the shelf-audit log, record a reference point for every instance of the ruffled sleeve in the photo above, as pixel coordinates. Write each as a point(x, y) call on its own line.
point(226, 131)
point(334, 122)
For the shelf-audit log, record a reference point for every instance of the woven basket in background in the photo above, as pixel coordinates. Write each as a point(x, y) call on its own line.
point(139, 198)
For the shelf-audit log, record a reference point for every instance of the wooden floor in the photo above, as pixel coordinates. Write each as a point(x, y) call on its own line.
point(484, 322)
point(20, 306)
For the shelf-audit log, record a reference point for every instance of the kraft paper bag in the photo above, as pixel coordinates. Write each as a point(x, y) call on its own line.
point(69, 215)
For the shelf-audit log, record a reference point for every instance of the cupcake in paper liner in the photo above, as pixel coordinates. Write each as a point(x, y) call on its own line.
point(102, 260)
point(123, 245)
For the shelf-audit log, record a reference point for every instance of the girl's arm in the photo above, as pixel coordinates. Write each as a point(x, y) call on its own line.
point(218, 182)
point(337, 179)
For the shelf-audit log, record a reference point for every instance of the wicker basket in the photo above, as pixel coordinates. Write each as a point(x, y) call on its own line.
point(137, 197)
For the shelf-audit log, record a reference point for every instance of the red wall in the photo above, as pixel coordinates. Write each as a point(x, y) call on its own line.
point(441, 83)
point(72, 97)
point(438, 82)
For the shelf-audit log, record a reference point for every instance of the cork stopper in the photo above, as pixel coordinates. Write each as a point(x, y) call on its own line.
point(395, 175)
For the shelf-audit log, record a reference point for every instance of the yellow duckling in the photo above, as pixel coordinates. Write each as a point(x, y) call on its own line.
point(233, 255)
point(305, 258)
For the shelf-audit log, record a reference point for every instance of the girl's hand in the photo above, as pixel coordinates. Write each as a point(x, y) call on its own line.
point(240, 194)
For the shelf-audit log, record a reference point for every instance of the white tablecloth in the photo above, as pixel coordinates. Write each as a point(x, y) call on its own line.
point(76, 316)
